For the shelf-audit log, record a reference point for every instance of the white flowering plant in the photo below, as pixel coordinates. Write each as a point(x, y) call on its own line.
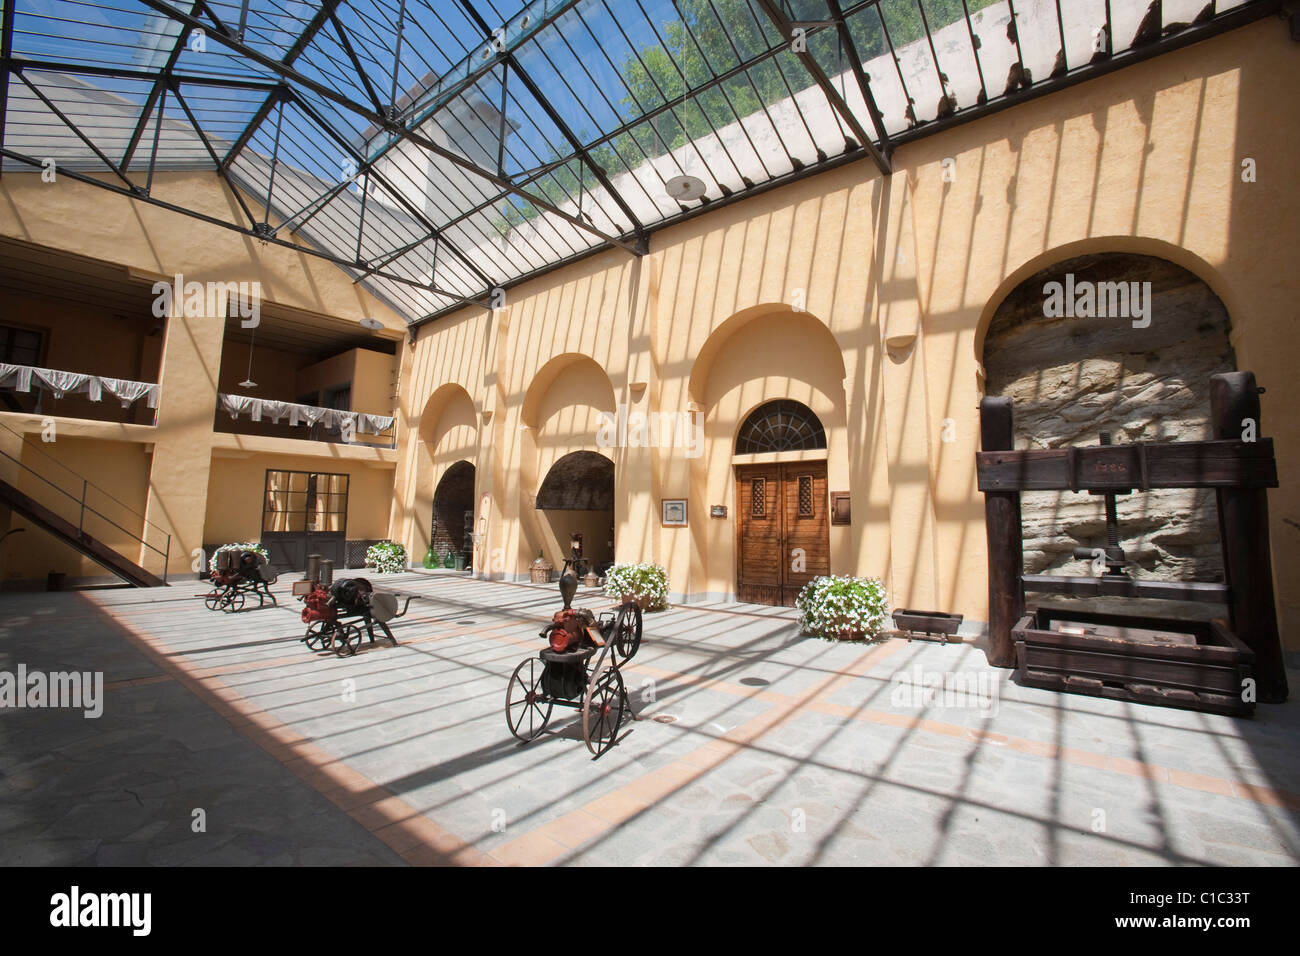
point(839, 607)
point(647, 584)
point(386, 557)
point(246, 546)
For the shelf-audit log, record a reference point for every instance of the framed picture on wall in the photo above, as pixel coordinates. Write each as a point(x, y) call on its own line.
point(674, 513)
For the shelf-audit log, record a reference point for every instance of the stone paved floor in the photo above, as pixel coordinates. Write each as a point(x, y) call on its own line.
point(772, 749)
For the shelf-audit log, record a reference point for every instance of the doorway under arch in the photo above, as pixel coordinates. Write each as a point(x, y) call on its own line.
point(783, 522)
point(577, 497)
point(453, 513)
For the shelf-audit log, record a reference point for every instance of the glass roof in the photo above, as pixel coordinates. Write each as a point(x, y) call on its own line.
point(440, 149)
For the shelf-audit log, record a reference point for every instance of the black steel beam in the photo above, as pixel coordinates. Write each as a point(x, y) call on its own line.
point(263, 111)
point(474, 73)
point(185, 106)
point(160, 83)
point(782, 23)
point(558, 121)
point(89, 69)
point(135, 194)
point(6, 51)
point(356, 63)
point(49, 104)
point(308, 34)
point(864, 81)
point(397, 194)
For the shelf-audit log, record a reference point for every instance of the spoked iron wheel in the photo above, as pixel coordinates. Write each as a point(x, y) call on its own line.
point(319, 635)
point(347, 638)
point(212, 600)
point(627, 631)
point(528, 707)
point(234, 601)
point(602, 710)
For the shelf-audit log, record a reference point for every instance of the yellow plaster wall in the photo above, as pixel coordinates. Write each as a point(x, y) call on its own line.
point(236, 487)
point(902, 275)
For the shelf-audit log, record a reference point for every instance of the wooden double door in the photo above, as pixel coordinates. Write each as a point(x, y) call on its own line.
point(783, 528)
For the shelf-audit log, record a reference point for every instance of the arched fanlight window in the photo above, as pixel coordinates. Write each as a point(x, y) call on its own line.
point(780, 426)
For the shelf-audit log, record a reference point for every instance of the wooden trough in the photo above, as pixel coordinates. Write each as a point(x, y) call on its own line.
point(929, 623)
point(1196, 665)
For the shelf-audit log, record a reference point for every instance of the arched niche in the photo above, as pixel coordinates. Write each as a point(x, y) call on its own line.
point(448, 433)
point(561, 414)
point(453, 511)
point(756, 357)
point(1139, 377)
point(577, 495)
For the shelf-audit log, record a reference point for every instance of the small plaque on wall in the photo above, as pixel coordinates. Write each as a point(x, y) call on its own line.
point(717, 511)
point(840, 507)
point(674, 512)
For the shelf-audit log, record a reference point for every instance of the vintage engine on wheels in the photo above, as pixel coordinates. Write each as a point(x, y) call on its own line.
point(566, 674)
point(240, 573)
point(336, 611)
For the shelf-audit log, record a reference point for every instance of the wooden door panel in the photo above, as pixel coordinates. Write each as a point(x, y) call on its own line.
point(785, 512)
point(758, 506)
point(804, 503)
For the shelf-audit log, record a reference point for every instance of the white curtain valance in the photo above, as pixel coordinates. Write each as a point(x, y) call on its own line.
point(333, 419)
point(62, 382)
point(125, 391)
point(19, 378)
point(235, 404)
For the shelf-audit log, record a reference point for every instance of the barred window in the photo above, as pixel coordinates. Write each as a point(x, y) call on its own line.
point(805, 496)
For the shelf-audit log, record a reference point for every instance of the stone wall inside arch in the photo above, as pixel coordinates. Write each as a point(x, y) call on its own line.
point(1072, 377)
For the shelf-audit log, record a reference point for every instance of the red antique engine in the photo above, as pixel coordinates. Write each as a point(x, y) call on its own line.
point(568, 629)
point(316, 605)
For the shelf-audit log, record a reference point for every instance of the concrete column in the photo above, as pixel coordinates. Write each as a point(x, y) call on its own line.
point(182, 451)
point(911, 508)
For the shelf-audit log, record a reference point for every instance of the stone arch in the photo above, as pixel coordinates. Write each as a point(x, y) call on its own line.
point(756, 356)
point(577, 495)
point(1135, 245)
point(453, 511)
point(729, 327)
point(1073, 377)
point(448, 433)
point(568, 399)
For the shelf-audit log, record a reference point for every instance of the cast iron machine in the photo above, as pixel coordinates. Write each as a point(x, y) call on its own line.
point(240, 573)
point(580, 668)
point(336, 611)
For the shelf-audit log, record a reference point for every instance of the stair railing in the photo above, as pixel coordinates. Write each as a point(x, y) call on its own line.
point(86, 485)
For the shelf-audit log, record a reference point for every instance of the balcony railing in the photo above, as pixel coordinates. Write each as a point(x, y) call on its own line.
point(46, 391)
point(261, 416)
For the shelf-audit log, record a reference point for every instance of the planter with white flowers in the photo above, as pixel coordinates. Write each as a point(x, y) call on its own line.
point(646, 584)
point(843, 608)
point(386, 557)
